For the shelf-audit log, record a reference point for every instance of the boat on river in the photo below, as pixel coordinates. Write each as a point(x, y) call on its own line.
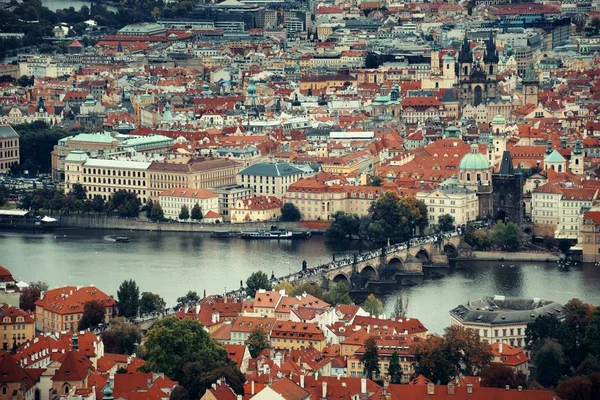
point(21, 219)
point(122, 239)
point(273, 233)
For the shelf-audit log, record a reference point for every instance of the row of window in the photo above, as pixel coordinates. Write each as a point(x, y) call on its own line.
point(115, 181)
point(115, 172)
point(9, 143)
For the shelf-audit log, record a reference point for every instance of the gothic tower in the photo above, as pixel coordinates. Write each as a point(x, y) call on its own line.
point(576, 162)
point(531, 86)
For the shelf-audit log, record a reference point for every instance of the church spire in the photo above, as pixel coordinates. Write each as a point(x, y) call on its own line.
point(465, 55)
point(491, 54)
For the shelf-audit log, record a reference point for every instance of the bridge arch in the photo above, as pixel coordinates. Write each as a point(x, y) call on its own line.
point(528, 231)
point(369, 272)
point(423, 256)
point(396, 263)
point(450, 250)
point(341, 278)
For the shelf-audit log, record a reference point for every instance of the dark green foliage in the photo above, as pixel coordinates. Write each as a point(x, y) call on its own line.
point(477, 238)
point(257, 280)
point(184, 351)
point(592, 334)
point(370, 358)
point(257, 341)
point(190, 299)
point(343, 226)
point(129, 299)
point(93, 314)
point(121, 337)
point(549, 363)
point(506, 236)
point(157, 213)
point(3, 195)
point(309, 288)
point(179, 393)
point(147, 209)
point(196, 212)
point(184, 214)
point(31, 294)
point(125, 204)
point(290, 212)
point(338, 293)
point(446, 222)
point(394, 370)
point(151, 303)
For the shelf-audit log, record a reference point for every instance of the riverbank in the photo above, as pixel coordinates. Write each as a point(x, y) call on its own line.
point(514, 256)
point(103, 222)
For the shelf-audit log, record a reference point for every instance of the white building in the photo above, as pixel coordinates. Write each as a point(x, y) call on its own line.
point(269, 178)
point(451, 198)
point(172, 200)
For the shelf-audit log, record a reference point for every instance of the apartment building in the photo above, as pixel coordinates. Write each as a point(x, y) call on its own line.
point(173, 200)
point(103, 177)
point(453, 199)
point(61, 309)
point(291, 335)
point(9, 148)
point(190, 173)
point(16, 326)
point(269, 178)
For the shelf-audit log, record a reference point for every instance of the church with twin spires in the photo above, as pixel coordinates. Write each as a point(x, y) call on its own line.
point(477, 79)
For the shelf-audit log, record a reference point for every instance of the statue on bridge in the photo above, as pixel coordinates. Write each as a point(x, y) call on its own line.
point(304, 266)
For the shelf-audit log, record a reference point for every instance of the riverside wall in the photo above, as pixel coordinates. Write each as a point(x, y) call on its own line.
point(132, 224)
point(511, 256)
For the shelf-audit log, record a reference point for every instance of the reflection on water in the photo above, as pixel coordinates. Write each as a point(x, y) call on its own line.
point(173, 263)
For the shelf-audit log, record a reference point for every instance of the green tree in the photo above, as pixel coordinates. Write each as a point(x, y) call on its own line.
point(549, 363)
point(393, 218)
point(343, 226)
point(370, 358)
point(309, 288)
point(372, 305)
point(31, 294)
point(375, 181)
point(506, 236)
point(446, 222)
point(394, 370)
point(184, 214)
point(125, 204)
point(93, 314)
point(183, 350)
point(151, 303)
point(285, 285)
point(592, 334)
point(339, 293)
point(577, 317)
point(257, 280)
point(78, 191)
point(179, 393)
point(257, 341)
point(98, 204)
point(148, 208)
point(121, 337)
point(157, 213)
point(196, 212)
point(129, 299)
point(190, 299)
point(290, 212)
point(542, 328)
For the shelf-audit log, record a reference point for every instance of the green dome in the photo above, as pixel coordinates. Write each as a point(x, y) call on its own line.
point(474, 161)
point(498, 119)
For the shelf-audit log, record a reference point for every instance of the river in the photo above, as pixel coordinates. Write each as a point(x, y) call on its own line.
point(54, 5)
point(173, 263)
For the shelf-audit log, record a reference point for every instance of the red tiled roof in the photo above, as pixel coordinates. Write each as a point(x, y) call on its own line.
point(75, 366)
point(5, 275)
point(70, 299)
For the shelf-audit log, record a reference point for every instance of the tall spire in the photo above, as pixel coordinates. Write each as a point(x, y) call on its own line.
point(491, 54)
point(465, 54)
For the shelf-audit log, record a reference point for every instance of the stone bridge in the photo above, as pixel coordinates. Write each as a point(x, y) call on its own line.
point(386, 263)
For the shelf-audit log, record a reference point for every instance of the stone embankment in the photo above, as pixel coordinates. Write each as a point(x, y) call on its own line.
point(132, 224)
point(515, 256)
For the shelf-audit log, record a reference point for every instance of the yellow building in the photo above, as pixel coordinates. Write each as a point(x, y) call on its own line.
point(589, 236)
point(104, 177)
point(255, 209)
point(290, 335)
point(88, 142)
point(16, 326)
point(61, 309)
point(9, 148)
point(385, 348)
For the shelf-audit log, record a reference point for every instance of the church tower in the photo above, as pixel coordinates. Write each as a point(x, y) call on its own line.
point(576, 162)
point(465, 59)
point(435, 61)
point(531, 86)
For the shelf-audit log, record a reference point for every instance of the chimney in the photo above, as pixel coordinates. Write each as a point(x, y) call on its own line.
point(363, 385)
point(252, 388)
point(239, 397)
point(302, 381)
point(430, 389)
point(469, 388)
point(500, 349)
point(520, 388)
point(451, 389)
point(507, 387)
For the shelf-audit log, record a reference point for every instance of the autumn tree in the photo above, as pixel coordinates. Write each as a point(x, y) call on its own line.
point(466, 350)
point(257, 341)
point(287, 286)
point(179, 393)
point(373, 305)
point(93, 315)
point(575, 388)
point(498, 375)
point(31, 294)
point(395, 370)
point(432, 361)
point(370, 358)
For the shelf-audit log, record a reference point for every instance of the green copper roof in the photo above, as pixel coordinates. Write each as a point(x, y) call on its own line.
point(498, 119)
point(554, 157)
point(474, 161)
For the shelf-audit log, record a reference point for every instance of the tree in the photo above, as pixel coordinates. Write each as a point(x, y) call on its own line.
point(592, 334)
point(93, 314)
point(129, 298)
point(375, 181)
point(339, 293)
point(290, 212)
point(446, 223)
point(393, 218)
point(285, 285)
point(577, 317)
point(575, 388)
point(498, 375)
point(31, 294)
point(184, 214)
point(343, 226)
point(183, 350)
point(549, 363)
point(196, 212)
point(3, 195)
point(157, 213)
point(190, 299)
point(257, 280)
point(78, 191)
point(394, 370)
point(564, 245)
point(148, 208)
point(595, 24)
point(432, 361)
point(125, 204)
point(121, 337)
point(309, 288)
point(257, 341)
point(151, 303)
point(179, 393)
point(372, 305)
point(542, 328)
point(98, 204)
point(506, 236)
point(469, 354)
point(370, 358)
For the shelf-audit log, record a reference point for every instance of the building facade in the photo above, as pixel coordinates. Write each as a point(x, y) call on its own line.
point(173, 200)
point(9, 148)
point(269, 178)
point(16, 327)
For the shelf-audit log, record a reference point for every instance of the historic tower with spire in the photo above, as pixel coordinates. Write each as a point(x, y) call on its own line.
point(477, 80)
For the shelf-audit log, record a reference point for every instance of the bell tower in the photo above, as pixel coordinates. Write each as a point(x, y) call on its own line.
point(531, 86)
